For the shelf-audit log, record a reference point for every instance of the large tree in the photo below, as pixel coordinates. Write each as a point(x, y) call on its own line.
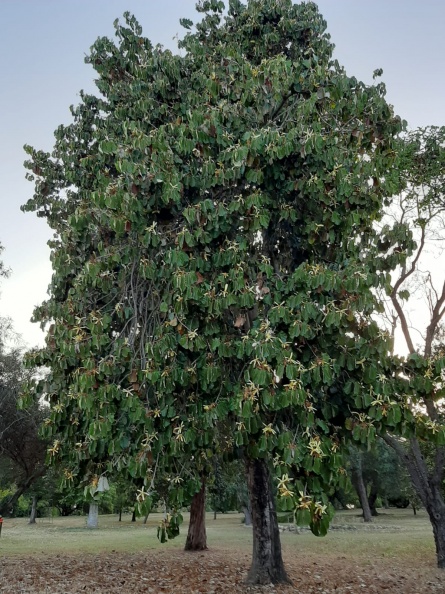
point(211, 211)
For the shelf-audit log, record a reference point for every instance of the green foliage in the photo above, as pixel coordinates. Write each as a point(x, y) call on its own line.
point(213, 214)
point(169, 527)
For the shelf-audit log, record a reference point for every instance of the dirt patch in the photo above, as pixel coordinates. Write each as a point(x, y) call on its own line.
point(210, 572)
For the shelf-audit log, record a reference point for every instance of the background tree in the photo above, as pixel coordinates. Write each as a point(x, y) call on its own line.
point(420, 211)
point(211, 211)
point(19, 441)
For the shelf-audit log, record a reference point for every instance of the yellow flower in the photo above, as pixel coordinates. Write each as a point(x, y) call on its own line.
point(268, 430)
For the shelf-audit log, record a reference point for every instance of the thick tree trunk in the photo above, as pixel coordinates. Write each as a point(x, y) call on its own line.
point(359, 486)
point(196, 536)
point(435, 507)
point(93, 516)
point(247, 516)
point(33, 514)
point(267, 562)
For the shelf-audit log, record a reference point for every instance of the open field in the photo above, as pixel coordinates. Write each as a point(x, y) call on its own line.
point(61, 556)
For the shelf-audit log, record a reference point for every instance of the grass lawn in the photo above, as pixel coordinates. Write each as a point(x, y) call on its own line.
point(394, 554)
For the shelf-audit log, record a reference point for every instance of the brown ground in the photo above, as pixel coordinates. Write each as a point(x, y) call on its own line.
point(212, 572)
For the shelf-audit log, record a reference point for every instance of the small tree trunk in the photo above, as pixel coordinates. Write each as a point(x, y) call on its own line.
point(267, 562)
point(133, 516)
point(120, 514)
point(33, 514)
point(359, 486)
point(372, 498)
point(247, 516)
point(196, 536)
point(93, 516)
point(214, 514)
point(146, 517)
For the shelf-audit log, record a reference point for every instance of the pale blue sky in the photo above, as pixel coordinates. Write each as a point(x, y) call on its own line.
point(42, 46)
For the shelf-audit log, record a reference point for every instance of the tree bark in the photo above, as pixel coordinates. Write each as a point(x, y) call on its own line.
point(196, 536)
point(133, 516)
point(359, 486)
point(267, 561)
point(33, 514)
point(93, 516)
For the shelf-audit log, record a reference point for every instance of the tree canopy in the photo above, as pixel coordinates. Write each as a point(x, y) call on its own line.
point(213, 287)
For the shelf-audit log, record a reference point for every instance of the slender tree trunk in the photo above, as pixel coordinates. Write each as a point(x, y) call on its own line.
point(93, 516)
point(372, 498)
point(120, 514)
point(33, 514)
point(214, 514)
point(146, 517)
point(196, 536)
point(428, 485)
point(267, 562)
point(359, 486)
point(133, 516)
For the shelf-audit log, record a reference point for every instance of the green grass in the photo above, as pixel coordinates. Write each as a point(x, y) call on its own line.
point(394, 533)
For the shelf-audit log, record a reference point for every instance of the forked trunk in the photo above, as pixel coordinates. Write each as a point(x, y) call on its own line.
point(93, 516)
point(33, 514)
point(196, 536)
point(267, 562)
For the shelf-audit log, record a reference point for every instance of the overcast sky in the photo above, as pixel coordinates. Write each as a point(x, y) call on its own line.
point(42, 47)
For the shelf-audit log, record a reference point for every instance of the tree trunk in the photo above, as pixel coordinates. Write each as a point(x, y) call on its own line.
point(146, 517)
point(196, 536)
point(8, 504)
point(133, 516)
point(93, 516)
point(267, 562)
point(120, 514)
point(428, 487)
point(436, 513)
point(359, 486)
point(33, 515)
point(247, 516)
point(372, 498)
